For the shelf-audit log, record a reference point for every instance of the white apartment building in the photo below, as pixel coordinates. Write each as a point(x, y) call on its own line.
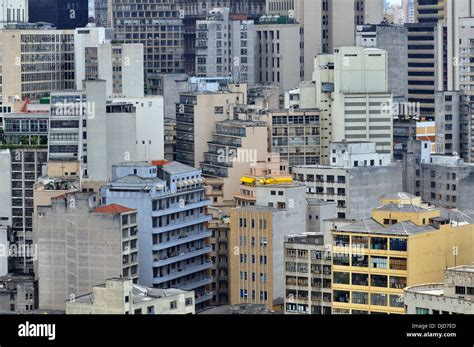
point(355, 179)
point(225, 47)
point(84, 127)
point(120, 65)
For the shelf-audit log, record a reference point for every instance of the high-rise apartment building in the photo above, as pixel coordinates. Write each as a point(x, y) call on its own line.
point(103, 13)
point(271, 171)
point(235, 147)
point(23, 153)
point(393, 39)
point(196, 117)
point(326, 25)
point(355, 179)
point(35, 60)
point(256, 259)
point(80, 245)
point(295, 135)
point(84, 127)
point(307, 274)
point(277, 52)
point(225, 47)
point(172, 216)
point(120, 65)
point(353, 97)
point(63, 14)
point(158, 26)
point(194, 10)
point(447, 181)
point(405, 243)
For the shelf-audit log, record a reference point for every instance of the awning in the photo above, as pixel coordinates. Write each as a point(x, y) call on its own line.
point(247, 180)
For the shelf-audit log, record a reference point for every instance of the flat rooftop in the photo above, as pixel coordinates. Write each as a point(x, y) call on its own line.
point(370, 226)
point(176, 168)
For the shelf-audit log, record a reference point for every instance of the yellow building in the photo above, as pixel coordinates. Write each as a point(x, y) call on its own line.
point(405, 243)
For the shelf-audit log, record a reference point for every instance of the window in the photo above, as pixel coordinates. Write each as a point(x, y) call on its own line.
point(150, 310)
point(360, 260)
point(341, 277)
point(360, 279)
point(138, 311)
point(377, 299)
point(173, 305)
point(341, 296)
point(398, 282)
point(399, 264)
point(420, 310)
point(378, 243)
point(361, 298)
point(127, 298)
point(219, 110)
point(396, 300)
point(378, 281)
point(460, 290)
point(341, 259)
point(188, 302)
point(378, 262)
point(399, 245)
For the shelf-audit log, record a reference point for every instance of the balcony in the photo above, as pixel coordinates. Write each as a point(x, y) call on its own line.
point(178, 274)
point(179, 241)
point(182, 223)
point(206, 297)
point(177, 208)
point(191, 254)
point(205, 281)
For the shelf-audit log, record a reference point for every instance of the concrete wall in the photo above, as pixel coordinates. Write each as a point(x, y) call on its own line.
point(367, 185)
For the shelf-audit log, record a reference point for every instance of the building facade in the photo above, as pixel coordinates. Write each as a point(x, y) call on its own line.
point(97, 243)
point(225, 47)
point(373, 260)
point(172, 214)
point(355, 180)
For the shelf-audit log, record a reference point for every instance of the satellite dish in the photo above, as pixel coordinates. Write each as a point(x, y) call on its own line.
point(291, 14)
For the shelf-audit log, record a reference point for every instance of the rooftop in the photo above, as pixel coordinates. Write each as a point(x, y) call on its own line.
point(239, 309)
point(404, 208)
point(370, 226)
point(113, 209)
point(133, 164)
point(176, 168)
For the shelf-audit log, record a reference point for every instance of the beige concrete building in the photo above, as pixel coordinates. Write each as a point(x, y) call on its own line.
point(35, 60)
point(235, 147)
point(272, 171)
point(256, 244)
point(277, 49)
point(122, 296)
point(295, 135)
point(196, 118)
point(80, 245)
